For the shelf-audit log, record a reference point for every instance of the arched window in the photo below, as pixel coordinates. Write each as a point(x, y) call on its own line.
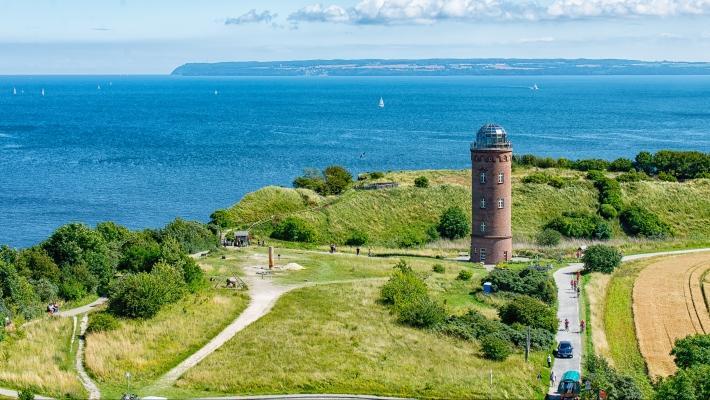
point(483, 203)
point(483, 177)
point(500, 203)
point(500, 177)
point(483, 226)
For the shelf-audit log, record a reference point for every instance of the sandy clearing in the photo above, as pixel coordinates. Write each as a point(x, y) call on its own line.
point(665, 309)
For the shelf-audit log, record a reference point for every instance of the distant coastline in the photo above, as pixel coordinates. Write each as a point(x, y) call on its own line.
point(444, 67)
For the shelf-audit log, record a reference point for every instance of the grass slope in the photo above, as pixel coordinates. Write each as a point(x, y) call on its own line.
point(338, 339)
point(619, 324)
point(149, 348)
point(39, 356)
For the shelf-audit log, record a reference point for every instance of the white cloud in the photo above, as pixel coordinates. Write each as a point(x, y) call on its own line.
point(386, 12)
point(252, 17)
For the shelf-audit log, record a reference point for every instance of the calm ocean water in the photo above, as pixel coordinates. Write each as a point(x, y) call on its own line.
point(143, 150)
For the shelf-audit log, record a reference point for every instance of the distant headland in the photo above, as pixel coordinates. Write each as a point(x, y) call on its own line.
point(444, 67)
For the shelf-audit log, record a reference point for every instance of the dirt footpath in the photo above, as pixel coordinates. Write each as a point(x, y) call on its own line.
point(668, 304)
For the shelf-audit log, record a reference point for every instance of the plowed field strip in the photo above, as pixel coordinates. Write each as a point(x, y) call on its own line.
point(696, 292)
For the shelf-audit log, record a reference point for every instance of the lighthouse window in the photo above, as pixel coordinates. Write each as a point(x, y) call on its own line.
point(483, 177)
point(500, 203)
point(483, 203)
point(500, 177)
point(483, 226)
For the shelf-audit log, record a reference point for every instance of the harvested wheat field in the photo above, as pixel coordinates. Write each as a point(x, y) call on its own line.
point(668, 304)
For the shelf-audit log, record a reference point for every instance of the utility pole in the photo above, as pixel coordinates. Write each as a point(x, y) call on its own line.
point(527, 344)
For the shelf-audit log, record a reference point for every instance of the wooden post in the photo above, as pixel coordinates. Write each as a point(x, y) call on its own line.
point(271, 257)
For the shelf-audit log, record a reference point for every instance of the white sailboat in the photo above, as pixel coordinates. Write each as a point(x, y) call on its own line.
point(14, 91)
point(42, 91)
point(382, 103)
point(216, 93)
point(534, 87)
point(98, 87)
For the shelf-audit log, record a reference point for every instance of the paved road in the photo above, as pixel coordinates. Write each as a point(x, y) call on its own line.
point(306, 397)
point(83, 309)
point(568, 307)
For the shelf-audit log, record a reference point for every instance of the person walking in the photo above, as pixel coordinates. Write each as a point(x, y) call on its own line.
point(578, 291)
point(549, 361)
point(357, 251)
point(581, 326)
point(566, 324)
point(553, 378)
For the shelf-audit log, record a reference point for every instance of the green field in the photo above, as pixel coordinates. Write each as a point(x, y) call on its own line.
point(388, 215)
point(338, 339)
point(619, 324)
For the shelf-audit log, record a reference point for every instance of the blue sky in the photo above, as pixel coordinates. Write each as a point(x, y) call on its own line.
point(154, 36)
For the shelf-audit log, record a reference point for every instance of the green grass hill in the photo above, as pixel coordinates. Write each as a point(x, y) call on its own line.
point(387, 216)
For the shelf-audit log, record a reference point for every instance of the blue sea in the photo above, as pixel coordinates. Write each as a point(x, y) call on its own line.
point(144, 150)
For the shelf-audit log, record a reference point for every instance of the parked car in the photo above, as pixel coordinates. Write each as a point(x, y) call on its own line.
point(564, 350)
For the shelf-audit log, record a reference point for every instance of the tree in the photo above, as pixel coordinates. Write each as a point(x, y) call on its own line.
point(621, 165)
point(36, 264)
point(454, 224)
point(601, 258)
point(638, 221)
point(193, 236)
point(337, 179)
point(495, 348)
point(421, 182)
point(357, 238)
point(692, 350)
point(140, 254)
point(644, 162)
point(293, 230)
point(548, 237)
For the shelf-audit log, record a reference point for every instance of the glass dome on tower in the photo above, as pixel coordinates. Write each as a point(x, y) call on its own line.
point(491, 137)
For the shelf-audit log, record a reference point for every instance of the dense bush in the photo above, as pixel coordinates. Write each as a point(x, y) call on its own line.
point(293, 230)
point(621, 165)
point(495, 348)
point(529, 281)
point(667, 177)
point(682, 164)
point(608, 211)
point(143, 294)
point(357, 238)
point(601, 258)
point(536, 177)
point(438, 268)
point(592, 164)
point(609, 189)
point(332, 181)
point(407, 293)
point(454, 224)
point(580, 225)
point(638, 221)
point(691, 351)
point(632, 176)
point(26, 394)
point(139, 254)
point(528, 311)
point(19, 295)
point(376, 175)
point(421, 182)
point(548, 237)
point(101, 322)
point(412, 238)
point(616, 385)
point(464, 275)
point(192, 236)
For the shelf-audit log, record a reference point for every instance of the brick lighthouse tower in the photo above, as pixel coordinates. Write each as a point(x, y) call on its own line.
point(491, 159)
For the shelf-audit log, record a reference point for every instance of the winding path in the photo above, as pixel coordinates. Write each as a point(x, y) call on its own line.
point(89, 385)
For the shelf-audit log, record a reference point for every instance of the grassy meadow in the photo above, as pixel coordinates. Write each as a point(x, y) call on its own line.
point(388, 215)
point(338, 339)
point(39, 356)
point(149, 348)
point(619, 324)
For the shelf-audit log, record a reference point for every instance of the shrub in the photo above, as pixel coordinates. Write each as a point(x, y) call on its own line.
point(403, 286)
point(421, 312)
point(71, 289)
point(192, 236)
point(666, 177)
point(377, 175)
point(616, 385)
point(26, 394)
point(528, 311)
point(412, 238)
point(601, 258)
point(529, 281)
point(101, 322)
point(548, 237)
point(536, 177)
point(638, 221)
point(602, 231)
point(495, 348)
point(142, 295)
point(644, 163)
point(621, 165)
point(139, 254)
point(464, 275)
point(595, 175)
point(632, 176)
point(691, 351)
point(315, 184)
point(556, 182)
point(579, 225)
point(293, 230)
point(608, 211)
point(454, 224)
point(438, 268)
point(609, 192)
point(337, 179)
point(421, 182)
point(686, 384)
point(592, 164)
point(357, 238)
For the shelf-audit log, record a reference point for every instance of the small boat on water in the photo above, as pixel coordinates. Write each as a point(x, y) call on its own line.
point(216, 92)
point(534, 87)
point(98, 87)
point(382, 103)
point(14, 91)
point(42, 92)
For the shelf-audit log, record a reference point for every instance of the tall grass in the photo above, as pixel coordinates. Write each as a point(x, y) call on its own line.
point(148, 348)
point(619, 324)
point(39, 356)
point(338, 339)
